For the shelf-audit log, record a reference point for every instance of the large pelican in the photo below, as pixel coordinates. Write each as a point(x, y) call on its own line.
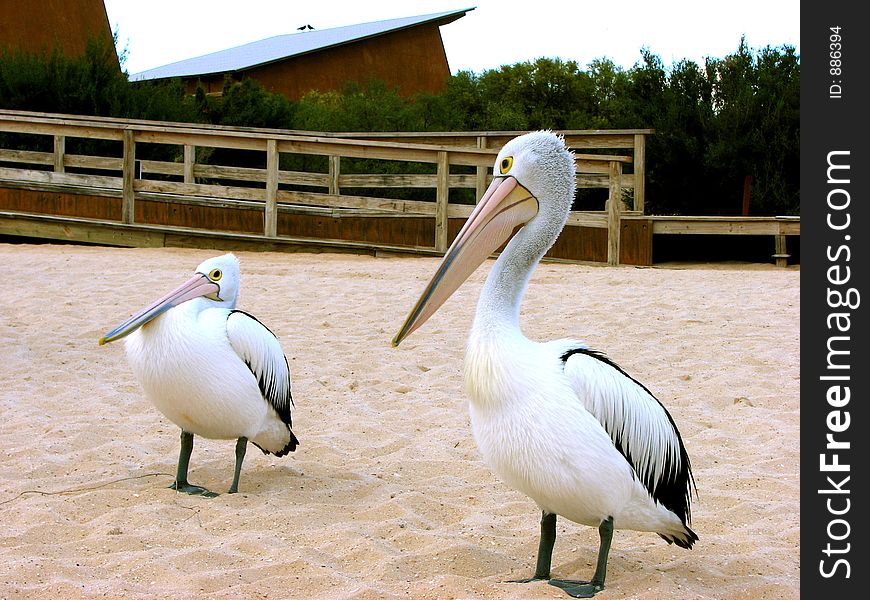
point(211, 369)
point(557, 421)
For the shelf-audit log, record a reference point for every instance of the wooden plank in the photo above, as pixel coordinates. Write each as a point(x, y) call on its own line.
point(389, 181)
point(592, 166)
point(94, 162)
point(442, 191)
point(789, 225)
point(233, 173)
point(139, 235)
point(334, 175)
point(77, 230)
point(182, 138)
point(199, 189)
point(639, 179)
point(201, 201)
point(128, 176)
point(596, 220)
point(406, 181)
point(160, 167)
point(494, 138)
point(384, 151)
point(333, 148)
point(252, 174)
point(27, 156)
point(780, 255)
point(604, 158)
point(69, 160)
point(602, 181)
point(602, 140)
point(362, 202)
point(583, 138)
point(636, 242)
point(481, 172)
point(51, 128)
point(59, 152)
point(614, 207)
point(65, 179)
point(189, 163)
point(717, 225)
point(193, 238)
point(271, 229)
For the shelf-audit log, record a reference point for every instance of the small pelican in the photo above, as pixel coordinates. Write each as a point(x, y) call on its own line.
point(211, 369)
point(557, 421)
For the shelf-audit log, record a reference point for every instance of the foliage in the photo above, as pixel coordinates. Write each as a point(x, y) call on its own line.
point(714, 124)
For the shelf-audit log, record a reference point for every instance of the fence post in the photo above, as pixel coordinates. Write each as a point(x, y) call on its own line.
point(614, 206)
point(334, 172)
point(481, 172)
point(189, 162)
point(59, 152)
point(128, 165)
point(781, 254)
point(442, 192)
point(271, 188)
point(639, 172)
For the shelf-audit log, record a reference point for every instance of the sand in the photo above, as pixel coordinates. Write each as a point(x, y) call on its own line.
point(387, 496)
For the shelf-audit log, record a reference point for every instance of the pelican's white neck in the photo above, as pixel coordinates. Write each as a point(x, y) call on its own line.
point(498, 308)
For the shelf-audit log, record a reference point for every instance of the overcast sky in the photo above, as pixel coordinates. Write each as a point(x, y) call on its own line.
point(495, 33)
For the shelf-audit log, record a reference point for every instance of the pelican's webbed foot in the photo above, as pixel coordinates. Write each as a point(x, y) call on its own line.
point(193, 490)
point(577, 589)
point(587, 589)
point(180, 484)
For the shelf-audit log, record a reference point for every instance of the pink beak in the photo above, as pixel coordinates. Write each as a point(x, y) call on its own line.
point(505, 205)
point(196, 286)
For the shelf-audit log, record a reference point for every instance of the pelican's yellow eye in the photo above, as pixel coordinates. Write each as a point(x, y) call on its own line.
point(506, 164)
point(215, 275)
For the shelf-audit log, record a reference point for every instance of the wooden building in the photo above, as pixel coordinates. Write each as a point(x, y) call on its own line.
point(48, 25)
point(405, 53)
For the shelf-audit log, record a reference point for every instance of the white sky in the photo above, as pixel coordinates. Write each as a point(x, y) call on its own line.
point(497, 32)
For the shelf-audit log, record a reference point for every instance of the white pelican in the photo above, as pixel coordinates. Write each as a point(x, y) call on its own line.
point(555, 420)
point(210, 368)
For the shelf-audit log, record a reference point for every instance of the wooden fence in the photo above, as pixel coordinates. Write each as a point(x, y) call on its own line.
point(116, 192)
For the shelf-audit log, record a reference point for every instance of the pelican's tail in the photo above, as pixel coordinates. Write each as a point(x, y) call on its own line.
point(684, 539)
point(279, 445)
point(290, 446)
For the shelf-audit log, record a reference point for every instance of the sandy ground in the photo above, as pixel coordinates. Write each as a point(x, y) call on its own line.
point(387, 496)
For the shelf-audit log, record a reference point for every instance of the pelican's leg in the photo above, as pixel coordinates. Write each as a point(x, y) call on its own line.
point(587, 589)
point(181, 484)
point(241, 447)
point(545, 549)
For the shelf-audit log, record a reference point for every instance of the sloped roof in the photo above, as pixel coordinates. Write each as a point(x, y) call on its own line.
point(284, 46)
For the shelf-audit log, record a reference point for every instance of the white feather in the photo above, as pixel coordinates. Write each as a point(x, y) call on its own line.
point(258, 347)
point(193, 363)
point(547, 427)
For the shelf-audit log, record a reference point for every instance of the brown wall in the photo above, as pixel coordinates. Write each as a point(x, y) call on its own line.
point(40, 26)
point(412, 60)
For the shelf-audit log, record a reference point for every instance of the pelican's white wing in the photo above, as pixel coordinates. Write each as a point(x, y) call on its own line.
point(261, 351)
point(639, 425)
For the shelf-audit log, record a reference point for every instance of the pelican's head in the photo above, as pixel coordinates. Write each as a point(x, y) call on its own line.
point(216, 280)
point(533, 188)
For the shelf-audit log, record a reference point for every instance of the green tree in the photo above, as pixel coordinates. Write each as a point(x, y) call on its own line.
point(714, 124)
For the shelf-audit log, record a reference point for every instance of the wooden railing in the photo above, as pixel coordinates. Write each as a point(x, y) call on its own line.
point(278, 190)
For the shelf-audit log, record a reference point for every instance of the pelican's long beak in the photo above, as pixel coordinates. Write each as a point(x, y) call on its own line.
point(196, 286)
point(505, 205)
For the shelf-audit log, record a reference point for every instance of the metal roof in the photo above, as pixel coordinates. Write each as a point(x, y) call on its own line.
point(284, 46)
